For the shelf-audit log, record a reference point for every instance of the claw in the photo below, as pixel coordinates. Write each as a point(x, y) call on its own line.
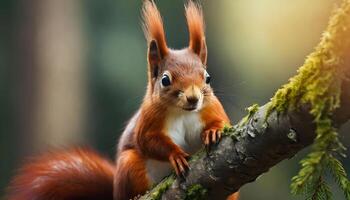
point(219, 135)
point(207, 141)
point(179, 163)
point(211, 136)
point(184, 161)
point(173, 163)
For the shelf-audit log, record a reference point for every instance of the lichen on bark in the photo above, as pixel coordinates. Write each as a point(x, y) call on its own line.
point(251, 111)
point(196, 192)
point(318, 84)
point(159, 189)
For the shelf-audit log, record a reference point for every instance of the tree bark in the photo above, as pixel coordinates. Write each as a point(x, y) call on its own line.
point(49, 76)
point(259, 142)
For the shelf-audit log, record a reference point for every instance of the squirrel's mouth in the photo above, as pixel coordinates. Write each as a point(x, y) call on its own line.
point(190, 108)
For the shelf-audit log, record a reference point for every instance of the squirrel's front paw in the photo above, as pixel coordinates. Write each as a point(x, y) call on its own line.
point(179, 162)
point(211, 136)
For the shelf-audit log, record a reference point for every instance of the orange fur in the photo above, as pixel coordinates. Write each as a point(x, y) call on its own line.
point(153, 26)
point(214, 115)
point(233, 196)
point(195, 22)
point(71, 175)
point(82, 174)
point(130, 177)
point(150, 138)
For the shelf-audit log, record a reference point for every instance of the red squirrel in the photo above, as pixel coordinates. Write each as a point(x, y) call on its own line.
point(179, 113)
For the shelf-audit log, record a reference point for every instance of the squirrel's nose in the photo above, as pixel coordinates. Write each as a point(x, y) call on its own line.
point(192, 100)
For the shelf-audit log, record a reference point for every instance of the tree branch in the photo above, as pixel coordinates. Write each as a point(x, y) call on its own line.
point(267, 136)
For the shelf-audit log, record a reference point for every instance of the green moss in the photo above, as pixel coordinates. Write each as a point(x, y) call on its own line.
point(196, 192)
point(235, 131)
point(318, 84)
point(251, 111)
point(230, 131)
point(228, 128)
point(161, 188)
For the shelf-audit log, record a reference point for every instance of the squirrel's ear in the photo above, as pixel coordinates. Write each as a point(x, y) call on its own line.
point(203, 52)
point(154, 57)
point(154, 32)
point(195, 22)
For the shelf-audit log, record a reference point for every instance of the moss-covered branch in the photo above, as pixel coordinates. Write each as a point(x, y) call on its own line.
point(319, 84)
point(307, 110)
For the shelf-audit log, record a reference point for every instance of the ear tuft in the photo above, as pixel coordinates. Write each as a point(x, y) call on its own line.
point(195, 22)
point(153, 26)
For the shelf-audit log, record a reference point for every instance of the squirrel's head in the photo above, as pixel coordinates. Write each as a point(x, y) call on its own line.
point(177, 77)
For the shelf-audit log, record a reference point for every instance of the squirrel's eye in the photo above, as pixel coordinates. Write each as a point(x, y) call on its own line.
point(166, 80)
point(207, 78)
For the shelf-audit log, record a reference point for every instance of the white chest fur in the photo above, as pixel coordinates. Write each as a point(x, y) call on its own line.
point(185, 130)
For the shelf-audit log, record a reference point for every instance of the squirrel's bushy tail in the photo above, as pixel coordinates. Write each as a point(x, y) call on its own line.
point(74, 174)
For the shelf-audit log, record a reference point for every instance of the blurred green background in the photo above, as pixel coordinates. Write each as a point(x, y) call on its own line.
point(73, 72)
